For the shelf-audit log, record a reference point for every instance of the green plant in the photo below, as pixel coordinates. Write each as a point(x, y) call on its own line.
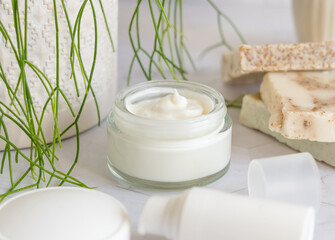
point(169, 50)
point(22, 112)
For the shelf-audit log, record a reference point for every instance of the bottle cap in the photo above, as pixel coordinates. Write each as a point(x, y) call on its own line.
point(292, 178)
point(65, 213)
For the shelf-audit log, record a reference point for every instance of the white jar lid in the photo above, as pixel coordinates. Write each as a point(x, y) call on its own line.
point(65, 213)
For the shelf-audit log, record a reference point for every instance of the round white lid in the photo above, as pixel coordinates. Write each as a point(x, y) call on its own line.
point(64, 213)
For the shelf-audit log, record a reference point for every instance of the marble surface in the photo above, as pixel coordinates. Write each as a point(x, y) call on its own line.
point(260, 25)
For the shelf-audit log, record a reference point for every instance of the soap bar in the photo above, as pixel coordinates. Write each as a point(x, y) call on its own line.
point(246, 59)
point(254, 114)
point(301, 104)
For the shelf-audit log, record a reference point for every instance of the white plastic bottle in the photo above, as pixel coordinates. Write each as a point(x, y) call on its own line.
point(208, 214)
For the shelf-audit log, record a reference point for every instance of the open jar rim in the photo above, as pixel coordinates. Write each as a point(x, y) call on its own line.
point(198, 126)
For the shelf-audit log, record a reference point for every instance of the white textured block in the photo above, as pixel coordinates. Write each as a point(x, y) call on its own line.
point(257, 59)
point(301, 104)
point(254, 114)
point(41, 49)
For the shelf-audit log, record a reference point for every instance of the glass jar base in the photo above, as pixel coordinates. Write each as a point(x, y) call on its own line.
point(148, 184)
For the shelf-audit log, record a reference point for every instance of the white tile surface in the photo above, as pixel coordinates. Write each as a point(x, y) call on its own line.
point(260, 25)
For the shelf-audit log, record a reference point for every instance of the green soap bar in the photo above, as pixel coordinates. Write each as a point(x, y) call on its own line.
point(254, 114)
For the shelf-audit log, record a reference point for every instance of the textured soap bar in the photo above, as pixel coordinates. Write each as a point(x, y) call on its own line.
point(278, 57)
point(301, 104)
point(254, 114)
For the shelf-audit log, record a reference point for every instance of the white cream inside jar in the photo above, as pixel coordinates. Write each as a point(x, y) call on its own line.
point(165, 134)
point(172, 107)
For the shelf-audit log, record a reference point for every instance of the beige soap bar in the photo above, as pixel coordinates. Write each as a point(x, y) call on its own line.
point(301, 104)
point(277, 58)
point(254, 114)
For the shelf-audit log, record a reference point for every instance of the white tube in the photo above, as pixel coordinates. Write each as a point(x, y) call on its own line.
point(208, 214)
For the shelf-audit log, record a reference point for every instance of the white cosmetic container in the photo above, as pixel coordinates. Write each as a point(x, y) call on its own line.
point(169, 154)
point(63, 213)
point(208, 214)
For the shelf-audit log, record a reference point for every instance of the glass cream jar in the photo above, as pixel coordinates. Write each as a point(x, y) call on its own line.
point(168, 154)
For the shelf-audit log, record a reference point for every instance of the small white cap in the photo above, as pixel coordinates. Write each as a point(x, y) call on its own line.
point(291, 178)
